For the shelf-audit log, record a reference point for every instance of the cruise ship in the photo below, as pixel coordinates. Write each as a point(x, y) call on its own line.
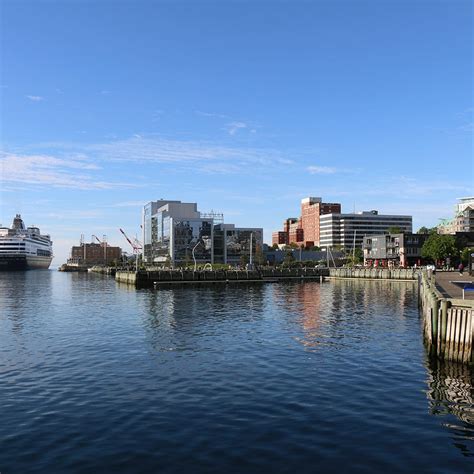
point(24, 248)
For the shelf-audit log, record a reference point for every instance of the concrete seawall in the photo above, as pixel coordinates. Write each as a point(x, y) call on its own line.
point(375, 273)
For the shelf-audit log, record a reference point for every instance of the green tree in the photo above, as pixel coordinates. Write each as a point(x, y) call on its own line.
point(465, 254)
point(426, 230)
point(356, 257)
point(395, 230)
point(275, 247)
point(294, 245)
point(188, 260)
point(259, 256)
point(244, 259)
point(289, 258)
point(437, 247)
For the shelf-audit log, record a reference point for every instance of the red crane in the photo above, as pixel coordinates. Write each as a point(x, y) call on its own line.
point(136, 246)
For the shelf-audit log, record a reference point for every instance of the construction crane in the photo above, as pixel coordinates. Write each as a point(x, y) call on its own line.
point(136, 246)
point(102, 242)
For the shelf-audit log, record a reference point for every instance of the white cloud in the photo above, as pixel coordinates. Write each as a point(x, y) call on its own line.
point(204, 156)
point(233, 127)
point(211, 114)
point(468, 127)
point(321, 170)
point(35, 98)
point(74, 215)
point(178, 155)
point(51, 171)
point(329, 170)
point(129, 204)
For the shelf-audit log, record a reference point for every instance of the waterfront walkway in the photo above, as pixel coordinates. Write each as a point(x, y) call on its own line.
point(450, 290)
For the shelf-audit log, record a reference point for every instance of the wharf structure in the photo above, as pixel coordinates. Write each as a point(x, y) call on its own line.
point(448, 323)
point(175, 232)
point(157, 278)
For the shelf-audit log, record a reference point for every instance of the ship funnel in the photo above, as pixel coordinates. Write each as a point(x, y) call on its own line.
point(18, 223)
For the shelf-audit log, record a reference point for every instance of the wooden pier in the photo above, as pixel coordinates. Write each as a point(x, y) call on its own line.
point(448, 323)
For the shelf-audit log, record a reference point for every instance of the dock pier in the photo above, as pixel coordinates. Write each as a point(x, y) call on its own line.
point(147, 279)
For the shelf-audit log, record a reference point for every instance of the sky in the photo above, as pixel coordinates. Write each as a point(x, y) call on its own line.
point(244, 107)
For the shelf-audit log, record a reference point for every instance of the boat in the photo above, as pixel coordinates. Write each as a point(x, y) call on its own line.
point(24, 248)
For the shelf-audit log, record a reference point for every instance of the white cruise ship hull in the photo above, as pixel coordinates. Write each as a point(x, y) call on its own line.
point(24, 248)
point(24, 262)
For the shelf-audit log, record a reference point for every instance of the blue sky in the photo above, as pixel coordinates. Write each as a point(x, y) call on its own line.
point(244, 107)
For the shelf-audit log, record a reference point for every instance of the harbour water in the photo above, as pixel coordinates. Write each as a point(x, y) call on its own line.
point(289, 377)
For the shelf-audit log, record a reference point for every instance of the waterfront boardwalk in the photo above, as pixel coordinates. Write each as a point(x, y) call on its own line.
point(450, 290)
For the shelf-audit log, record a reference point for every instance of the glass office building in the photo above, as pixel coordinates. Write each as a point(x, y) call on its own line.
point(238, 241)
point(172, 230)
point(192, 235)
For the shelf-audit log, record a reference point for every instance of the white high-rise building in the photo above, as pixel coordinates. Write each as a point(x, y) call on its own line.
point(345, 230)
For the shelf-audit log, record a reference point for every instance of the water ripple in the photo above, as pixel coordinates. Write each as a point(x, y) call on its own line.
point(95, 377)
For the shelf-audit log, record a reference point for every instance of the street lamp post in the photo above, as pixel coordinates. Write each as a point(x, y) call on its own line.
point(194, 257)
point(251, 256)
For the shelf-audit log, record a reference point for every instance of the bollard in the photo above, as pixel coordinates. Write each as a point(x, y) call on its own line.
point(442, 328)
point(434, 322)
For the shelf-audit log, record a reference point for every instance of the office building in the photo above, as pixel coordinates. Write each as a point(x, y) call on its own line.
point(177, 233)
point(348, 230)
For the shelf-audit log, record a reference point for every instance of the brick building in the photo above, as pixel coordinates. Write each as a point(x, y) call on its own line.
point(311, 209)
point(94, 254)
point(304, 231)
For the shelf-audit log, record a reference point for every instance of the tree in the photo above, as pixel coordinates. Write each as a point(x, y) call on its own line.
point(289, 258)
point(395, 230)
point(356, 257)
point(259, 257)
point(275, 247)
point(465, 254)
point(437, 247)
point(244, 259)
point(294, 245)
point(426, 230)
point(187, 259)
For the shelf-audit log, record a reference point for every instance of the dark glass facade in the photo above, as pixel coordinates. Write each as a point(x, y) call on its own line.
point(237, 243)
point(192, 234)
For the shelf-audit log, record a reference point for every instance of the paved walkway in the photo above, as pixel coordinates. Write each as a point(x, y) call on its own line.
point(449, 290)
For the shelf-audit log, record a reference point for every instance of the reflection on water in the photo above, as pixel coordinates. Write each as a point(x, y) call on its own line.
point(328, 315)
point(451, 392)
point(281, 378)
